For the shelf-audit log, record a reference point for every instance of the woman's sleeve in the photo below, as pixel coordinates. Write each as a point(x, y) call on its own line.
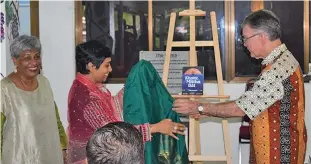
point(118, 98)
point(3, 118)
point(145, 131)
point(61, 130)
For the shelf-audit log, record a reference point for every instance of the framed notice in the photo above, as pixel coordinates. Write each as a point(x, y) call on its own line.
point(179, 59)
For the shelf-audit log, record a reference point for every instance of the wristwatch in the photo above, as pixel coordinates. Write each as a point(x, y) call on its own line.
point(200, 109)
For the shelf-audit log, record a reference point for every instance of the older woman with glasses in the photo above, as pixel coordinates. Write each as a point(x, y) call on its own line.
point(31, 130)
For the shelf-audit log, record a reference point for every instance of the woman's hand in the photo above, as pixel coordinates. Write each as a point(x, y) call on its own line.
point(168, 127)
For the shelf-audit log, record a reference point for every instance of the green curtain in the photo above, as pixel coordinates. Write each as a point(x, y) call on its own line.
point(146, 100)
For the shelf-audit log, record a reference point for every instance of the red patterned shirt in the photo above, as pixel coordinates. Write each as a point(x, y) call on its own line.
point(276, 106)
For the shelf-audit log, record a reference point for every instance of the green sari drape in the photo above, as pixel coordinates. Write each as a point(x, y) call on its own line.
point(146, 100)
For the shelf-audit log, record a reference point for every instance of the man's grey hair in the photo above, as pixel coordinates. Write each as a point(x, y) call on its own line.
point(116, 143)
point(24, 43)
point(265, 21)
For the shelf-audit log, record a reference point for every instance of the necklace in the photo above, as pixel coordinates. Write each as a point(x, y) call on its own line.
point(26, 86)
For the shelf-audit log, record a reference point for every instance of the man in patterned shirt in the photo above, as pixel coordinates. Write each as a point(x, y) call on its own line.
point(276, 102)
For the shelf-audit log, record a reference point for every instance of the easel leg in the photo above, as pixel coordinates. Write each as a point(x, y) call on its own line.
point(168, 49)
point(197, 139)
point(194, 136)
point(191, 136)
point(225, 128)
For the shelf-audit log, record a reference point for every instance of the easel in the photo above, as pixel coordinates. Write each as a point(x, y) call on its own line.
point(194, 125)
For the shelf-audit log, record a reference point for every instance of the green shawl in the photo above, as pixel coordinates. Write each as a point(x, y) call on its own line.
point(146, 100)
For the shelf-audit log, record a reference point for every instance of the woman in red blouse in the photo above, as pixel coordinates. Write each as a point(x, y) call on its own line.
point(91, 105)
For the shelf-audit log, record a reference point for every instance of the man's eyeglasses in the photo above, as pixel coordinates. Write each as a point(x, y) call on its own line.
point(245, 39)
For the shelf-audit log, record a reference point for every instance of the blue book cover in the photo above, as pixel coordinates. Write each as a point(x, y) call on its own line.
point(193, 80)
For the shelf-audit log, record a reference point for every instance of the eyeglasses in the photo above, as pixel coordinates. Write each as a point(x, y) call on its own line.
point(245, 39)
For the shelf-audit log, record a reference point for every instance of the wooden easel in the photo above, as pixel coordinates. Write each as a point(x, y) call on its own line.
point(194, 125)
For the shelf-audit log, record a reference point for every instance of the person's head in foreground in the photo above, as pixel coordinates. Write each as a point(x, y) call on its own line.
point(115, 143)
point(261, 32)
point(93, 59)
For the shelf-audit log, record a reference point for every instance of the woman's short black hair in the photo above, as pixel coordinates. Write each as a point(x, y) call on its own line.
point(92, 51)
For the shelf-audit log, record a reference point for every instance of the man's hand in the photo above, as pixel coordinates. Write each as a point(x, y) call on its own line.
point(186, 106)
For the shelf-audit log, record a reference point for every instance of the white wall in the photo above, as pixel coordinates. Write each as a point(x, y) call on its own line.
point(56, 23)
point(58, 37)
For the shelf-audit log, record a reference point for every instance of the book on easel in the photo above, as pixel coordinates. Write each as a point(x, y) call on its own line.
point(193, 80)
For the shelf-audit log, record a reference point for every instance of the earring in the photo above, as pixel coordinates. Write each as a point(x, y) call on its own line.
point(15, 70)
point(41, 71)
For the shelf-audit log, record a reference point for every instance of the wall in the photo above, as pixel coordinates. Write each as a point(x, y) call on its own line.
point(57, 37)
point(58, 40)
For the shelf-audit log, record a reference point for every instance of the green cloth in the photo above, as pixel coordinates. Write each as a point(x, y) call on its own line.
point(146, 100)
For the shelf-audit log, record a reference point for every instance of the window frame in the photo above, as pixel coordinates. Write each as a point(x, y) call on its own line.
point(229, 14)
point(306, 30)
point(34, 18)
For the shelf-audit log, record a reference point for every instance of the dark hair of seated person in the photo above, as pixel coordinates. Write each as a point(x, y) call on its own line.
point(92, 51)
point(115, 143)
